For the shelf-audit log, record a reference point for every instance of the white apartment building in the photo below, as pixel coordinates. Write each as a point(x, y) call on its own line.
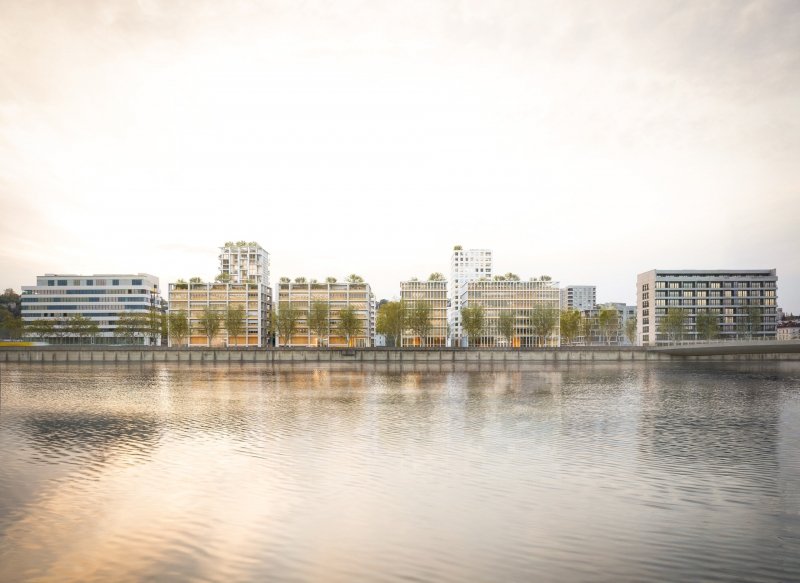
point(434, 295)
point(466, 265)
point(730, 295)
point(578, 297)
point(243, 281)
point(243, 263)
point(521, 299)
point(101, 298)
point(300, 297)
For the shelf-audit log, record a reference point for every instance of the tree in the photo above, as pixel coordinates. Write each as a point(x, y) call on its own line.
point(10, 325)
point(82, 327)
point(418, 320)
point(570, 325)
point(608, 320)
point(707, 325)
point(587, 329)
point(543, 322)
point(511, 276)
point(319, 320)
point(353, 278)
point(234, 322)
point(178, 326)
point(181, 284)
point(286, 322)
point(195, 280)
point(436, 276)
point(300, 280)
point(473, 323)
point(130, 325)
point(673, 324)
point(753, 321)
point(349, 324)
point(391, 321)
point(210, 322)
point(630, 329)
point(330, 280)
point(42, 328)
point(546, 278)
point(223, 278)
point(284, 280)
point(506, 325)
point(155, 324)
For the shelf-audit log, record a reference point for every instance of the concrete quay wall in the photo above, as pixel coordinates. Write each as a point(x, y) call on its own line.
point(92, 354)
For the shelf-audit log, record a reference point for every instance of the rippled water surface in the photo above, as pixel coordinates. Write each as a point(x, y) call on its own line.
point(236, 473)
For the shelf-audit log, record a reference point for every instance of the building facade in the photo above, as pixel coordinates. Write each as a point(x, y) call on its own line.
point(578, 297)
point(433, 295)
point(523, 300)
point(466, 265)
point(103, 299)
point(242, 283)
point(593, 332)
point(300, 297)
point(743, 303)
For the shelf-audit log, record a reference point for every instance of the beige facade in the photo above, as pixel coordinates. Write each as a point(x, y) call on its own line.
point(335, 296)
point(521, 299)
point(243, 281)
point(434, 295)
point(194, 298)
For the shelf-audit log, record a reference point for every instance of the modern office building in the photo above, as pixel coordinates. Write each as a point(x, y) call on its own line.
point(433, 295)
point(742, 301)
point(101, 298)
point(242, 282)
point(521, 299)
point(466, 265)
point(578, 297)
point(300, 297)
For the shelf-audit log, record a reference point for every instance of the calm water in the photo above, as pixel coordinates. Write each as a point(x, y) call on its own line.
point(235, 473)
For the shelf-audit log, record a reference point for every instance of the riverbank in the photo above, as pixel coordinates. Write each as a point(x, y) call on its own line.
point(87, 354)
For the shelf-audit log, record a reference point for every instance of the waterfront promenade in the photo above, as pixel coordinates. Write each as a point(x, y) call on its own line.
point(787, 350)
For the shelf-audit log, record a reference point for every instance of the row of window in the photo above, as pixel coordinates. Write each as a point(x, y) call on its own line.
point(89, 282)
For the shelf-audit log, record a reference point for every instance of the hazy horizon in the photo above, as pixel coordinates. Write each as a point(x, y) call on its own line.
point(590, 142)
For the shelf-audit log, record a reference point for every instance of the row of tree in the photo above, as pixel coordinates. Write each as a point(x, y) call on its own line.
point(707, 324)
point(286, 322)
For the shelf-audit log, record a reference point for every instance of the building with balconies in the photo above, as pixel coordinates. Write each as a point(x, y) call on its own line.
point(432, 295)
point(743, 303)
point(300, 296)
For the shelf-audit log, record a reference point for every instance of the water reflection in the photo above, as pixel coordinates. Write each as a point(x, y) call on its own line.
point(238, 472)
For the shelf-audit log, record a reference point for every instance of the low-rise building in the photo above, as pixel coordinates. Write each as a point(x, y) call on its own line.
point(103, 300)
point(742, 302)
point(526, 302)
point(432, 296)
point(300, 296)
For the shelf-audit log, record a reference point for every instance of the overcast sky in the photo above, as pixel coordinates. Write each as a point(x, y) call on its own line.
point(590, 141)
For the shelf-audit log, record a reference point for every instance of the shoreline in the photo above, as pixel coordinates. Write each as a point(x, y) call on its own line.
point(789, 351)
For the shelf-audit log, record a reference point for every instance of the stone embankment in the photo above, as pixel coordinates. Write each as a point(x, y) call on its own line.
point(90, 354)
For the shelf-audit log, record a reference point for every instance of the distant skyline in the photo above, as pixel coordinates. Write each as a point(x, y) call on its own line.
point(586, 141)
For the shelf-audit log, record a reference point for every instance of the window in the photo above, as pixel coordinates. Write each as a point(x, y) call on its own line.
point(136, 282)
point(62, 282)
point(89, 282)
point(51, 282)
point(114, 282)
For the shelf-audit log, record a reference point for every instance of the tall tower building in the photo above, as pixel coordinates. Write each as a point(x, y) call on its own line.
point(244, 263)
point(466, 265)
point(578, 297)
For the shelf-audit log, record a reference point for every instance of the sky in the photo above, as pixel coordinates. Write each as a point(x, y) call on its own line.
point(589, 141)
